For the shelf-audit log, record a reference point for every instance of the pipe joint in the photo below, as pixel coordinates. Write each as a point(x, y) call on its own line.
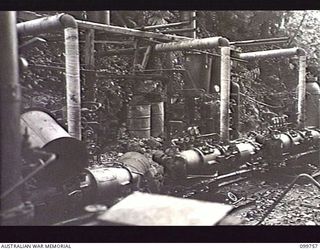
point(68, 21)
point(301, 52)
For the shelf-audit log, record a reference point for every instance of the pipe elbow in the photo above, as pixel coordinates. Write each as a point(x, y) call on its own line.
point(68, 21)
point(301, 52)
point(224, 42)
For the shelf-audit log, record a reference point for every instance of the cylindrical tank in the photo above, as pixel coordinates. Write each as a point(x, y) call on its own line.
point(45, 133)
point(157, 119)
point(138, 120)
point(312, 103)
point(99, 16)
point(107, 183)
point(199, 68)
point(209, 117)
point(235, 110)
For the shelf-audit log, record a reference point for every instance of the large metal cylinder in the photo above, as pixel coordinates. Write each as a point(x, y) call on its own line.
point(45, 133)
point(157, 119)
point(209, 117)
point(312, 104)
point(138, 120)
point(199, 67)
point(99, 16)
point(108, 183)
point(235, 110)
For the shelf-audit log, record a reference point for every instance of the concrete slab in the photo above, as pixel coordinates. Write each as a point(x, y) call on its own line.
point(146, 209)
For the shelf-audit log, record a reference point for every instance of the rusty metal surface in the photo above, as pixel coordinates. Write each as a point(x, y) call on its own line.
point(160, 210)
point(312, 104)
point(157, 119)
point(41, 128)
point(45, 133)
point(139, 120)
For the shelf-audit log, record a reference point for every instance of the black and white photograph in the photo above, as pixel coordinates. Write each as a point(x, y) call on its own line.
point(160, 118)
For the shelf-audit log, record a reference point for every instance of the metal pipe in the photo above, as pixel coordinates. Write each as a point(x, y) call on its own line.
point(46, 24)
point(10, 110)
point(69, 24)
point(204, 43)
point(167, 25)
point(128, 31)
point(225, 93)
point(272, 53)
point(191, 17)
point(178, 31)
point(302, 91)
point(260, 41)
point(99, 16)
point(302, 73)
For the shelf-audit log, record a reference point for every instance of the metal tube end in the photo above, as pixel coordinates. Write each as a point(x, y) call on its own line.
point(68, 21)
point(223, 41)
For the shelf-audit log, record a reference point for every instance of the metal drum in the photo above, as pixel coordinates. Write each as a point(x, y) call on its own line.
point(209, 117)
point(138, 120)
point(157, 119)
point(45, 133)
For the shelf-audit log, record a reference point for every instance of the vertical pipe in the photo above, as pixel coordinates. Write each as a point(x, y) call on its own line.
point(225, 94)
point(301, 91)
point(107, 17)
point(10, 110)
point(99, 16)
point(73, 82)
point(89, 60)
point(191, 17)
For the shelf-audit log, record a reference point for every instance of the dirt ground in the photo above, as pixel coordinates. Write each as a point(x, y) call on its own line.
point(300, 206)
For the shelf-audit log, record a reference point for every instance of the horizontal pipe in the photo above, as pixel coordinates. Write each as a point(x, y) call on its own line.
point(128, 31)
point(272, 53)
point(278, 39)
point(168, 25)
point(204, 43)
point(178, 30)
point(46, 24)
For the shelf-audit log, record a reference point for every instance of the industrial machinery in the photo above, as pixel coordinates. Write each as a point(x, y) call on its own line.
point(265, 149)
point(56, 179)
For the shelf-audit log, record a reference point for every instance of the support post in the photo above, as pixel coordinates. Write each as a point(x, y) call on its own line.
point(301, 91)
point(10, 112)
point(90, 63)
point(73, 82)
point(225, 94)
